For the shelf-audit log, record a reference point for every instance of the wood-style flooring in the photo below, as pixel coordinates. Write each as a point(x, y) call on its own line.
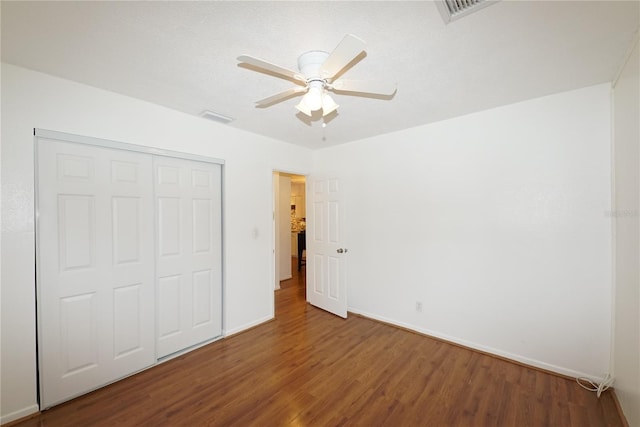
point(310, 368)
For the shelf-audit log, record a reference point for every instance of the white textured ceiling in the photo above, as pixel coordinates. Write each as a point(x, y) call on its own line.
point(183, 55)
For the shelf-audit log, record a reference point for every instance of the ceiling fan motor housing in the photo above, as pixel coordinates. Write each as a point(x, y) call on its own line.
point(309, 64)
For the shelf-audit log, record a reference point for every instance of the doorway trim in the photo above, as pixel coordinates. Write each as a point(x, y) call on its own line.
point(273, 282)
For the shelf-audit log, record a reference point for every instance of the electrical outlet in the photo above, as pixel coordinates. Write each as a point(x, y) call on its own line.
point(419, 306)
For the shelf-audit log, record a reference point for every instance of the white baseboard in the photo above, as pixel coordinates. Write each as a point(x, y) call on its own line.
point(475, 346)
point(29, 410)
point(229, 332)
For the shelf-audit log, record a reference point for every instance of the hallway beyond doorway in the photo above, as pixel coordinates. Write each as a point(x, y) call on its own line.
point(292, 292)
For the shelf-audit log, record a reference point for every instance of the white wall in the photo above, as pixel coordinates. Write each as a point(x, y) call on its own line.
point(496, 222)
point(33, 100)
point(626, 360)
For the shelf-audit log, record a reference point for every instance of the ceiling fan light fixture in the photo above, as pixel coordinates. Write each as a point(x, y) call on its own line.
point(313, 98)
point(303, 108)
point(317, 99)
point(328, 105)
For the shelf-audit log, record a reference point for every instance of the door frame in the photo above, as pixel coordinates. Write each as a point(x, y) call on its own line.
point(274, 283)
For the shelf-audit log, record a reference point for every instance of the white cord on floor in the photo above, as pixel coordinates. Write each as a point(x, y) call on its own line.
point(598, 388)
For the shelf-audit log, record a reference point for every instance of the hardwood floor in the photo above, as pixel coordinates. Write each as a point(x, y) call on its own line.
point(310, 368)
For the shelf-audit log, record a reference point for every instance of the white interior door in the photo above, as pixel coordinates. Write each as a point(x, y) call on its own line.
point(326, 252)
point(95, 267)
point(189, 253)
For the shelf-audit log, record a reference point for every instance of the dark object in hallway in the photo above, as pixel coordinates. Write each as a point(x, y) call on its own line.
point(302, 245)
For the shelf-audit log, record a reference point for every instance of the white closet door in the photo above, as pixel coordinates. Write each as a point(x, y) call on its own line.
point(95, 267)
point(189, 257)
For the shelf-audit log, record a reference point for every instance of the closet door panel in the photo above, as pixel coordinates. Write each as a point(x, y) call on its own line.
point(128, 322)
point(95, 267)
point(189, 257)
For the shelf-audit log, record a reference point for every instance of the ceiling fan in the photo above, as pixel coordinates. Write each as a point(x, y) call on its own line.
point(317, 76)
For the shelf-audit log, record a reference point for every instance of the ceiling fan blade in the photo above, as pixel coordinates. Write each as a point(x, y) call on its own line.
point(364, 86)
point(261, 63)
point(342, 55)
point(280, 96)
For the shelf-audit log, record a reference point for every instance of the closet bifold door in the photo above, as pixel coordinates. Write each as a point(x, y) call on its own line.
point(95, 274)
point(188, 253)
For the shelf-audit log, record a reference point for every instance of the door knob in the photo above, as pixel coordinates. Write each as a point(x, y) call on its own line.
point(340, 250)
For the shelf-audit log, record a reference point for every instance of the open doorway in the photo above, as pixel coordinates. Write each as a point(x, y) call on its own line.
point(289, 221)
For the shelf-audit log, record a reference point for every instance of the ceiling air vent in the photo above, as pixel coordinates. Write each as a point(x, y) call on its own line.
point(216, 117)
point(456, 9)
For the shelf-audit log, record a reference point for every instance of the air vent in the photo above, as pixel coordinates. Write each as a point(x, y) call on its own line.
point(456, 9)
point(210, 115)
